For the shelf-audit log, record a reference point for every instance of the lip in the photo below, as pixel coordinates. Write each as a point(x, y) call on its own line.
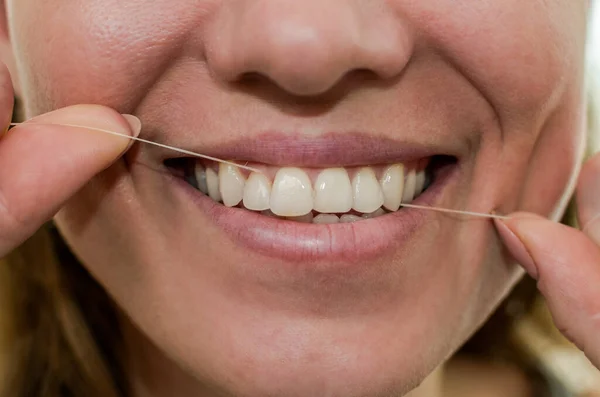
point(328, 150)
point(295, 242)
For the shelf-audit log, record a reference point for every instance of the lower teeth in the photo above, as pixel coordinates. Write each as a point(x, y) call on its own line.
point(324, 219)
point(321, 218)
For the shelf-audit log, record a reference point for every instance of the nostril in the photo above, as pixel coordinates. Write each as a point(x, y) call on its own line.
point(289, 87)
point(307, 72)
point(304, 91)
point(298, 46)
point(252, 79)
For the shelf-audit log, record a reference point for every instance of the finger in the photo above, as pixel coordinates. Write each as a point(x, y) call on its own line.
point(7, 98)
point(588, 198)
point(566, 264)
point(42, 165)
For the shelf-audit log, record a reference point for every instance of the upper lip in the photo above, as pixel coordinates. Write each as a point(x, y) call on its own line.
point(347, 149)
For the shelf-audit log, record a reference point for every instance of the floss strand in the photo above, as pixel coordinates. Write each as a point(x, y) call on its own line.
point(245, 166)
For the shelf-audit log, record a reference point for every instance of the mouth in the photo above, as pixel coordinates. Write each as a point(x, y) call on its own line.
point(331, 205)
point(311, 195)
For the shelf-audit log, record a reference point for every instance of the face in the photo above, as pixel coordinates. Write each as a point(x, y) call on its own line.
point(479, 101)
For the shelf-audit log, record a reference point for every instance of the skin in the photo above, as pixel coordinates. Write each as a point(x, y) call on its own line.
point(500, 81)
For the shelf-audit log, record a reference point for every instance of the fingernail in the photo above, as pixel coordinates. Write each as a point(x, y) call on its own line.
point(516, 248)
point(134, 123)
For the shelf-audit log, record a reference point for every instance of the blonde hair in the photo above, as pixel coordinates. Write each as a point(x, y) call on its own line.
point(59, 329)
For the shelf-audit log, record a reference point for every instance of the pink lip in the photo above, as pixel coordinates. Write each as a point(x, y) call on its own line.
point(324, 151)
point(305, 243)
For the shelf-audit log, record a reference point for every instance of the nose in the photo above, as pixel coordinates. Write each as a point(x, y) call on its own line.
point(306, 47)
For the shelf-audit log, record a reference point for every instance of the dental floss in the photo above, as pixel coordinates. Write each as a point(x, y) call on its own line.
point(162, 145)
point(458, 212)
point(190, 153)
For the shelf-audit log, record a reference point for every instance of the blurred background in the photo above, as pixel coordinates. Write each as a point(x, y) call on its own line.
point(594, 54)
point(594, 70)
point(595, 35)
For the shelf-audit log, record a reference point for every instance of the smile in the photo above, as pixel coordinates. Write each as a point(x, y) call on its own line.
point(319, 196)
point(337, 203)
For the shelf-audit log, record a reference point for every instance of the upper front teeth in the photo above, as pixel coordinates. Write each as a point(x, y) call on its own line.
point(257, 192)
point(392, 185)
point(367, 191)
point(333, 191)
point(292, 193)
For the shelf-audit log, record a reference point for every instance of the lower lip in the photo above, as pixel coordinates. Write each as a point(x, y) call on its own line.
point(305, 242)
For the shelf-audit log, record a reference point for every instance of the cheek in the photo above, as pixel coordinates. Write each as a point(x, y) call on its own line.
point(526, 61)
point(95, 51)
point(555, 161)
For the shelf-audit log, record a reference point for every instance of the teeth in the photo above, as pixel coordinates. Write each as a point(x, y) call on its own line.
point(291, 194)
point(349, 218)
point(308, 218)
point(257, 192)
point(409, 186)
point(420, 182)
point(374, 214)
point(333, 191)
point(392, 185)
point(212, 184)
point(200, 174)
point(325, 219)
point(231, 184)
point(367, 191)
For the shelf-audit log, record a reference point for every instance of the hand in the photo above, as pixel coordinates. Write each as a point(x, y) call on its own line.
point(565, 262)
point(42, 165)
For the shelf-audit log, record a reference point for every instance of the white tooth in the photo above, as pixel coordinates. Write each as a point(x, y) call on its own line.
point(292, 193)
point(374, 214)
point(349, 218)
point(212, 183)
point(200, 173)
point(333, 191)
point(367, 191)
point(324, 219)
point(308, 218)
point(409, 186)
point(420, 182)
point(392, 185)
point(231, 184)
point(257, 192)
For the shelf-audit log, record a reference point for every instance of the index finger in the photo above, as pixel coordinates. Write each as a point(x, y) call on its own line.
point(43, 163)
point(566, 264)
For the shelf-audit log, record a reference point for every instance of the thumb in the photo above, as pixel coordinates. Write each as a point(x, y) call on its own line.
point(43, 163)
point(566, 265)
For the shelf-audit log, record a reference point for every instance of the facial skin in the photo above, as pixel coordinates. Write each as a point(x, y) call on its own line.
point(496, 84)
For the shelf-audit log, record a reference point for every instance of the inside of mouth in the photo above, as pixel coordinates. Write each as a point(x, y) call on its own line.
point(375, 190)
